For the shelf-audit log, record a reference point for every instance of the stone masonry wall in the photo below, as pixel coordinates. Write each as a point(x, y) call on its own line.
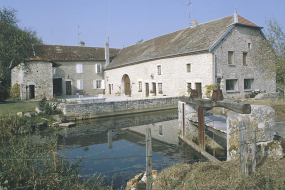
point(34, 73)
point(116, 107)
point(263, 119)
point(243, 40)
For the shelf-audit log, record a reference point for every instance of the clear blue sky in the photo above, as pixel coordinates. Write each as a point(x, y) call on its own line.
point(56, 21)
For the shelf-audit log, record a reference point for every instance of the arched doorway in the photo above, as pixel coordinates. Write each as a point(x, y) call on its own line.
point(126, 85)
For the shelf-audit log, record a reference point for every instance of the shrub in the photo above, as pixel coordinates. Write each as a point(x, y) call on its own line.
point(15, 92)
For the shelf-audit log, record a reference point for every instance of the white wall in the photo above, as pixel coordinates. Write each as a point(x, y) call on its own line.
point(173, 74)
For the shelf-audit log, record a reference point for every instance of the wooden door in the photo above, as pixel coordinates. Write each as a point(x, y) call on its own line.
point(110, 88)
point(127, 85)
point(146, 90)
point(198, 87)
point(154, 88)
point(68, 87)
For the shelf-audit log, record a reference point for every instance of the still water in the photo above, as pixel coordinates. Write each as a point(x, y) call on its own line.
point(115, 146)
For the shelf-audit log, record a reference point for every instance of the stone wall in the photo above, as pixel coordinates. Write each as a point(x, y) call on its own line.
point(243, 40)
point(262, 118)
point(37, 74)
point(67, 71)
point(261, 121)
point(92, 109)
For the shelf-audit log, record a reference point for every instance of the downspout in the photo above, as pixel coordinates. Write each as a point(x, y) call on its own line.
point(214, 69)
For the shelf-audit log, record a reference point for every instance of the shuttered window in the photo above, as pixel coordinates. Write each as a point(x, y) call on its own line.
point(79, 68)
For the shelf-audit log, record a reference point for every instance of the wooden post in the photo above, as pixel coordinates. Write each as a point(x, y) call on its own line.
point(148, 159)
point(201, 128)
point(253, 150)
point(183, 120)
point(243, 152)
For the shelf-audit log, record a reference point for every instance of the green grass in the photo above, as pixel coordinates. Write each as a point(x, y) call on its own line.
point(15, 107)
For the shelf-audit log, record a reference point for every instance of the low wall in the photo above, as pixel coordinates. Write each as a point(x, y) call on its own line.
point(117, 107)
point(258, 127)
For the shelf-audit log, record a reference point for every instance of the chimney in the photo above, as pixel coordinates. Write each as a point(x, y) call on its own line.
point(235, 16)
point(82, 43)
point(107, 54)
point(194, 23)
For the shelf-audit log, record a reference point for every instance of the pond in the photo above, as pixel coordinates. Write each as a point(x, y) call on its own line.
point(115, 146)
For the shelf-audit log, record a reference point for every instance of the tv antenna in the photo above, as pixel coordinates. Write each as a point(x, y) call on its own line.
point(79, 33)
point(189, 8)
point(108, 27)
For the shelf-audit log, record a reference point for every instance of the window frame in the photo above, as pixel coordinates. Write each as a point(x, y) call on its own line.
point(140, 86)
point(188, 67)
point(79, 84)
point(96, 82)
point(251, 84)
point(96, 68)
point(231, 60)
point(158, 68)
point(79, 68)
point(235, 89)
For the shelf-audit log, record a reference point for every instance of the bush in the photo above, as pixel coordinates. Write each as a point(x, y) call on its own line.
point(15, 92)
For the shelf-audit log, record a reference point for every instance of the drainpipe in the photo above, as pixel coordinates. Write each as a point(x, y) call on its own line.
point(214, 68)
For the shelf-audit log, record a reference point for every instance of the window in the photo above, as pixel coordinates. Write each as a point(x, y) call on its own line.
point(188, 68)
point(99, 84)
point(79, 68)
point(140, 86)
point(231, 85)
point(80, 84)
point(249, 45)
point(244, 58)
point(160, 129)
point(248, 84)
point(159, 69)
point(97, 68)
point(159, 85)
point(230, 57)
point(53, 71)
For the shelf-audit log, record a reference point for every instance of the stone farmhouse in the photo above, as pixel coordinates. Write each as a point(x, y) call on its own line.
point(224, 51)
point(64, 70)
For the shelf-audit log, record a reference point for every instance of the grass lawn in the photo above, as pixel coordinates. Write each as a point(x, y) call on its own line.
point(15, 107)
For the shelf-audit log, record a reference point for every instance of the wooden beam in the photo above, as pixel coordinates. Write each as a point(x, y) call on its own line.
point(228, 104)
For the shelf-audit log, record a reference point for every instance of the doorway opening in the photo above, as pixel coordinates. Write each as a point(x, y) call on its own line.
point(57, 87)
point(32, 91)
point(126, 85)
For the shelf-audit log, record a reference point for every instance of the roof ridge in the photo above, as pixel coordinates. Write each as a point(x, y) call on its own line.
point(77, 46)
point(175, 32)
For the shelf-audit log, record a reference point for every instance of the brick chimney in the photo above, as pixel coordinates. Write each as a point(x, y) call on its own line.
point(194, 23)
point(107, 54)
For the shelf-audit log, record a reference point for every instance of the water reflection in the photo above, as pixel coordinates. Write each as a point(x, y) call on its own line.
point(115, 146)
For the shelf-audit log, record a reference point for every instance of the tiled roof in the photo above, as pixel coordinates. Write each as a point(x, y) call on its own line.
point(199, 38)
point(74, 53)
point(37, 58)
